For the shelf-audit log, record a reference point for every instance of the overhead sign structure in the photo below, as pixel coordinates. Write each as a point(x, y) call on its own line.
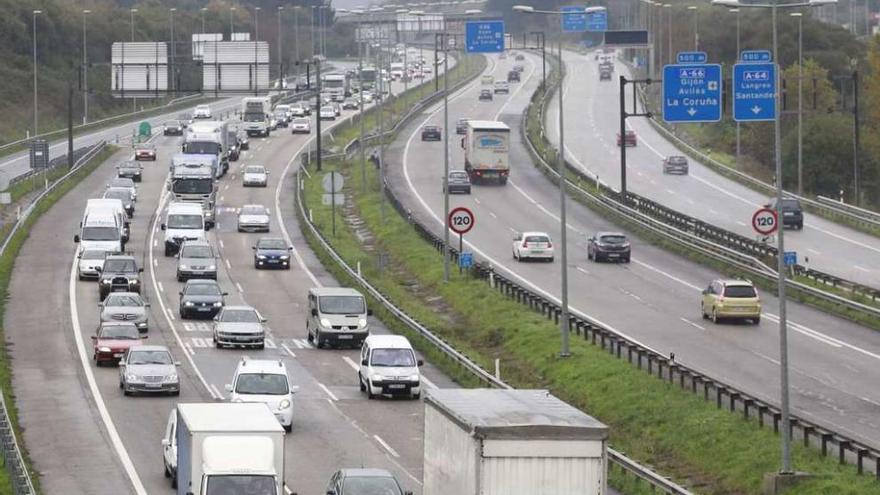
point(235, 66)
point(755, 56)
point(198, 43)
point(754, 91)
point(692, 91)
point(484, 36)
point(461, 220)
point(574, 19)
point(626, 39)
point(764, 221)
point(139, 69)
point(597, 21)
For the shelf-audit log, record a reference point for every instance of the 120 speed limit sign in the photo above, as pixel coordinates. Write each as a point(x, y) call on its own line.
point(764, 221)
point(461, 220)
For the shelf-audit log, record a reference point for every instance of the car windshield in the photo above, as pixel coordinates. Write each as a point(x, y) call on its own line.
point(791, 204)
point(739, 291)
point(150, 357)
point(392, 358)
point(123, 195)
point(146, 146)
point(129, 165)
point(239, 316)
point(202, 290)
point(202, 148)
point(184, 222)
point(100, 234)
point(249, 484)
point(93, 254)
point(458, 175)
point(254, 117)
point(327, 109)
point(124, 300)
point(271, 244)
point(120, 266)
point(121, 332)
point(254, 169)
point(300, 121)
point(196, 252)
point(342, 305)
point(537, 238)
point(370, 485)
point(280, 115)
point(431, 128)
point(677, 159)
point(120, 182)
point(253, 210)
point(173, 123)
point(262, 384)
point(613, 239)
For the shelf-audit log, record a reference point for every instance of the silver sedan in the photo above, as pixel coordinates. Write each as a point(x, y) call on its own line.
point(239, 325)
point(255, 175)
point(125, 306)
point(253, 218)
point(149, 369)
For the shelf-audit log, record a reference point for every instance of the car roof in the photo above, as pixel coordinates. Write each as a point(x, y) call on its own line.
point(252, 206)
point(240, 307)
point(185, 208)
point(604, 233)
point(124, 294)
point(261, 239)
point(201, 281)
point(120, 256)
point(334, 291)
point(535, 233)
point(365, 473)
point(736, 283)
point(153, 348)
point(117, 324)
point(195, 242)
point(266, 366)
point(388, 341)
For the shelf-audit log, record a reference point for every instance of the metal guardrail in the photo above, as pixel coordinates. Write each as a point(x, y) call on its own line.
point(810, 432)
point(868, 215)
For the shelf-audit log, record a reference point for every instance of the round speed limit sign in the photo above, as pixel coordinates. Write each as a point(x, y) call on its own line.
point(764, 221)
point(461, 220)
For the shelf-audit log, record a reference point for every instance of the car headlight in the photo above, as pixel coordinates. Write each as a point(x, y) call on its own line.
point(171, 378)
point(237, 399)
point(142, 323)
point(103, 349)
point(284, 404)
point(188, 303)
point(261, 257)
point(414, 378)
point(325, 322)
point(362, 322)
point(132, 377)
point(133, 281)
point(184, 267)
point(105, 281)
point(285, 257)
point(212, 267)
point(377, 378)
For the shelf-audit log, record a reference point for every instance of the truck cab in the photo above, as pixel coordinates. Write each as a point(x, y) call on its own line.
point(208, 138)
point(193, 180)
point(183, 222)
point(337, 316)
point(256, 114)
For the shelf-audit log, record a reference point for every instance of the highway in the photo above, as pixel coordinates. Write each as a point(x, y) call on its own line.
point(593, 112)
point(86, 437)
point(655, 299)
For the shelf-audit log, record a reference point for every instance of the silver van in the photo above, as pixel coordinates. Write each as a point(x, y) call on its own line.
point(337, 316)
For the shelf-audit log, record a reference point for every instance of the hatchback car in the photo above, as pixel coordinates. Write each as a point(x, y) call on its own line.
point(272, 252)
point(90, 263)
point(792, 212)
point(123, 194)
point(130, 169)
point(431, 133)
point(301, 125)
point(458, 181)
point(280, 119)
point(299, 110)
point(201, 298)
point(145, 151)
point(485, 95)
point(124, 182)
point(351, 104)
point(513, 76)
point(126, 306)
point(731, 299)
point(629, 138)
point(254, 175)
point(239, 325)
point(608, 246)
point(327, 113)
point(112, 339)
point(675, 164)
point(361, 480)
point(532, 245)
point(196, 259)
point(172, 128)
point(119, 273)
point(461, 126)
point(149, 369)
point(253, 218)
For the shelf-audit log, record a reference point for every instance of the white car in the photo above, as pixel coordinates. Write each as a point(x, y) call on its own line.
point(536, 245)
point(389, 367)
point(301, 125)
point(368, 97)
point(253, 218)
point(266, 381)
point(327, 113)
point(298, 110)
point(91, 261)
point(255, 175)
point(202, 112)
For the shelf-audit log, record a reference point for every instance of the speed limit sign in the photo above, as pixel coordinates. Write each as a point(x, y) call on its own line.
point(764, 221)
point(461, 220)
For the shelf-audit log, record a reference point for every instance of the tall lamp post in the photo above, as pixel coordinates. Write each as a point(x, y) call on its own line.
point(800, 125)
point(36, 127)
point(360, 12)
point(231, 23)
point(693, 8)
point(204, 9)
point(780, 237)
point(132, 12)
point(280, 64)
point(85, 69)
point(736, 11)
point(173, 70)
point(668, 8)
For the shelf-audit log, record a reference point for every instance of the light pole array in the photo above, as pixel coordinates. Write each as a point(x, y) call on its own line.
point(231, 22)
point(204, 9)
point(85, 69)
point(780, 237)
point(280, 65)
point(738, 50)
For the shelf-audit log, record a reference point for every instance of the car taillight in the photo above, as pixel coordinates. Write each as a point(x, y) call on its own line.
point(525, 244)
point(549, 244)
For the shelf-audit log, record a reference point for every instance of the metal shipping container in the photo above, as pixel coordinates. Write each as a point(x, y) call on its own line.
point(235, 66)
point(511, 442)
point(139, 69)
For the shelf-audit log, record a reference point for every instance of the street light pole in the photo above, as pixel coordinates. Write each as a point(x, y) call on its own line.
point(231, 23)
point(736, 11)
point(312, 30)
point(280, 64)
point(800, 124)
point(173, 68)
point(668, 7)
point(36, 126)
point(693, 8)
point(296, 32)
point(204, 9)
point(132, 12)
point(85, 70)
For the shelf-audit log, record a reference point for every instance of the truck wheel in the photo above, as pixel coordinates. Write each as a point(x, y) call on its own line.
point(318, 342)
point(167, 472)
point(174, 481)
point(288, 428)
point(361, 383)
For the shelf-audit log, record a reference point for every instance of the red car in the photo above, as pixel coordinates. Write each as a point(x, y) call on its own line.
point(629, 138)
point(113, 339)
point(145, 151)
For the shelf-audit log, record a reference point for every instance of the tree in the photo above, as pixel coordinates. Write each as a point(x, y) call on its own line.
point(827, 155)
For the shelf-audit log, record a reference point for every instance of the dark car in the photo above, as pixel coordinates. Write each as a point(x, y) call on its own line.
point(458, 181)
point(243, 143)
point(431, 133)
point(272, 252)
point(604, 75)
point(201, 298)
point(123, 194)
point(361, 481)
point(520, 56)
point(234, 146)
point(513, 76)
point(120, 273)
point(675, 164)
point(485, 95)
point(173, 128)
point(792, 212)
point(608, 246)
point(461, 126)
point(130, 169)
point(629, 138)
point(606, 66)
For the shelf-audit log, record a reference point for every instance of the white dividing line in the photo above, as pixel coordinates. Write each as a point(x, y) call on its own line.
point(428, 382)
point(155, 243)
point(351, 363)
point(327, 390)
point(221, 243)
point(239, 287)
point(115, 440)
point(156, 262)
point(768, 358)
point(689, 322)
point(582, 270)
point(228, 264)
point(667, 275)
point(287, 349)
point(817, 253)
point(870, 401)
point(493, 215)
point(161, 287)
point(386, 446)
point(861, 269)
point(741, 223)
point(216, 390)
point(477, 200)
point(189, 349)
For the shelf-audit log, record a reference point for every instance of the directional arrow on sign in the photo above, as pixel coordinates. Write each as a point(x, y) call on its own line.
point(691, 111)
point(756, 109)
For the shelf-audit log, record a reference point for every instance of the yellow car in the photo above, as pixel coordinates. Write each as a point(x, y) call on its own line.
point(732, 299)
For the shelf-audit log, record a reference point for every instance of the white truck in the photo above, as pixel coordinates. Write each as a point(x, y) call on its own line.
point(486, 151)
point(208, 137)
point(192, 180)
point(256, 111)
point(335, 86)
point(511, 442)
point(224, 448)
point(397, 70)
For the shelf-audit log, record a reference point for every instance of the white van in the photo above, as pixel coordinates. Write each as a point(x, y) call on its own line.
point(336, 316)
point(100, 231)
point(114, 206)
point(266, 381)
point(388, 366)
point(183, 222)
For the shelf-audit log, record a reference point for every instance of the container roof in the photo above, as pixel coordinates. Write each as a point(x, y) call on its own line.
point(515, 414)
point(233, 417)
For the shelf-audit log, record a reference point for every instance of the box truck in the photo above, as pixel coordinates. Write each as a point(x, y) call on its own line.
point(511, 442)
point(486, 147)
point(226, 448)
point(256, 112)
point(208, 137)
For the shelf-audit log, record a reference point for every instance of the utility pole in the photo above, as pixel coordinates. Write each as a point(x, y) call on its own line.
point(856, 173)
point(318, 121)
point(85, 70)
point(296, 32)
point(70, 159)
point(280, 63)
point(800, 110)
point(173, 70)
point(36, 127)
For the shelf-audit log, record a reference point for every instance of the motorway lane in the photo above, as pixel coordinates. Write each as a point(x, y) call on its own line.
point(594, 115)
point(655, 299)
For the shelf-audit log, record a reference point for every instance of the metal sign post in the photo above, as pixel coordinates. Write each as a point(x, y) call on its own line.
point(461, 221)
point(332, 183)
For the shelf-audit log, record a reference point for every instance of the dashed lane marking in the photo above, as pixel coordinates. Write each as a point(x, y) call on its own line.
point(386, 446)
point(327, 390)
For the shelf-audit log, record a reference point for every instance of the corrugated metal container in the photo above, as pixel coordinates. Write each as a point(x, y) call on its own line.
point(235, 66)
point(139, 68)
point(511, 442)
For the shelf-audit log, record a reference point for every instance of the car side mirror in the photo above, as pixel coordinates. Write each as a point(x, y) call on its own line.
point(364, 362)
point(314, 312)
point(290, 248)
point(462, 143)
point(94, 337)
point(165, 442)
point(331, 492)
point(76, 238)
point(228, 387)
point(140, 270)
point(146, 305)
point(207, 226)
point(180, 293)
point(176, 363)
point(264, 320)
point(121, 364)
point(254, 248)
point(407, 493)
point(294, 389)
point(225, 293)
point(144, 337)
point(369, 312)
point(163, 227)
point(420, 362)
point(99, 269)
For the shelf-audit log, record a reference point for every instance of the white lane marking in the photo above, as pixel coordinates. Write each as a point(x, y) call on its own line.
point(386, 446)
point(216, 390)
point(861, 269)
point(582, 270)
point(228, 264)
point(239, 287)
point(351, 363)
point(287, 349)
point(199, 342)
point(477, 200)
point(155, 243)
point(689, 322)
point(161, 287)
point(741, 223)
point(670, 192)
point(428, 382)
point(221, 243)
point(115, 440)
point(189, 349)
point(817, 253)
point(287, 491)
point(870, 401)
point(327, 390)
point(156, 262)
point(493, 215)
point(768, 358)
point(666, 274)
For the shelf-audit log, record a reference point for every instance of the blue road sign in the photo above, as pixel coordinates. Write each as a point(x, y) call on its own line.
point(692, 93)
point(691, 57)
point(466, 260)
point(484, 36)
point(790, 258)
point(597, 21)
point(755, 56)
point(574, 19)
point(754, 92)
